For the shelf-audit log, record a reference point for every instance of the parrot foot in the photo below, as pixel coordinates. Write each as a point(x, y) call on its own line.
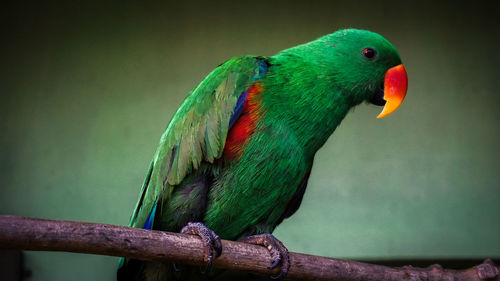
point(211, 240)
point(279, 253)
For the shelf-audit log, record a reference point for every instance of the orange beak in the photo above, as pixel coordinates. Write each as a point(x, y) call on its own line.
point(395, 86)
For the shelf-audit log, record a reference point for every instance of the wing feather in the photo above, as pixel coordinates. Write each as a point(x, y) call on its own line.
point(197, 131)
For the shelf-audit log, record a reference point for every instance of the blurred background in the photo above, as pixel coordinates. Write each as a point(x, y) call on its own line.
point(87, 90)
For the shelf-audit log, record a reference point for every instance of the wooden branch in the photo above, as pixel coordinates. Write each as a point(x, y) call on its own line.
point(24, 233)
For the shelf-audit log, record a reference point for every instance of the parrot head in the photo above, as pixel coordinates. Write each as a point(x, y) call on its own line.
point(361, 64)
point(369, 67)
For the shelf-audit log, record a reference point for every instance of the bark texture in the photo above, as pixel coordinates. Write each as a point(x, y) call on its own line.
point(22, 233)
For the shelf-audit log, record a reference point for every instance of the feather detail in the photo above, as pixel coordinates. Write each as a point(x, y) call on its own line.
point(294, 203)
point(151, 217)
point(244, 126)
point(197, 132)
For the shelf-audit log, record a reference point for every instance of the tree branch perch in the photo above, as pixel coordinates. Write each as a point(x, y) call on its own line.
point(24, 233)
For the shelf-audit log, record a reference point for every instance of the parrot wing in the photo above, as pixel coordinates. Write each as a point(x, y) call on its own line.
point(197, 131)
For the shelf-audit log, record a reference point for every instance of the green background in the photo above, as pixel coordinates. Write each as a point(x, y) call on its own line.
point(87, 90)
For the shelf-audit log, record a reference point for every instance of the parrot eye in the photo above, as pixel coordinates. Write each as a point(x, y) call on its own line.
point(369, 53)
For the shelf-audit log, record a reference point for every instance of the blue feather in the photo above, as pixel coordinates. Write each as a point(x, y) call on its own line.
point(238, 109)
point(151, 218)
point(260, 71)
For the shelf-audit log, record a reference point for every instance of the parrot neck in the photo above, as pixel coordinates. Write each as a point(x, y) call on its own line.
point(306, 98)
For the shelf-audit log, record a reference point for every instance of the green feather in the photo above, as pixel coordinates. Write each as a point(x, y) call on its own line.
point(307, 91)
point(197, 132)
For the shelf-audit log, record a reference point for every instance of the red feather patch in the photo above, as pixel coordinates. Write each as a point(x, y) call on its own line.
point(245, 125)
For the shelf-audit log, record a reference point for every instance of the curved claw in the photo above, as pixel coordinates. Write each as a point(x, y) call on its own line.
point(217, 245)
point(279, 253)
point(274, 264)
point(210, 239)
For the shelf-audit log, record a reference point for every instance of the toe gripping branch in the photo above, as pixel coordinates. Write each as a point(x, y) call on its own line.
point(279, 253)
point(211, 241)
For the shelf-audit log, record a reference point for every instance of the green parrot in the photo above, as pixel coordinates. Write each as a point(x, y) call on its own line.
point(235, 159)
